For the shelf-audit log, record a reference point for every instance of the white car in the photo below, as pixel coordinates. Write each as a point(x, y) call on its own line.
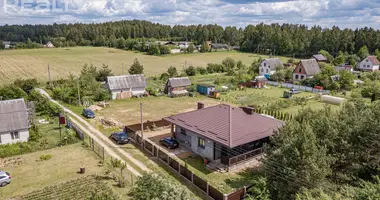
point(5, 178)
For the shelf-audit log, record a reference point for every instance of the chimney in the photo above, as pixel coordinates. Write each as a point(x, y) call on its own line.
point(249, 110)
point(200, 105)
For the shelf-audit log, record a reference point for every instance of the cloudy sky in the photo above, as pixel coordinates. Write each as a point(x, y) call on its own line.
point(326, 13)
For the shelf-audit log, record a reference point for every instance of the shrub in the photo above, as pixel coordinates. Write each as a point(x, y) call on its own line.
point(46, 157)
point(202, 70)
point(191, 71)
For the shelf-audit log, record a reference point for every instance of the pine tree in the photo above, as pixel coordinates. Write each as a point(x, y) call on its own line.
point(136, 67)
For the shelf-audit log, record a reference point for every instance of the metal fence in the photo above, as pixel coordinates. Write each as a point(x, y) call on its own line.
point(182, 170)
point(298, 87)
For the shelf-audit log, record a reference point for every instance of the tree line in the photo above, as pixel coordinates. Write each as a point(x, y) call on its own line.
point(285, 39)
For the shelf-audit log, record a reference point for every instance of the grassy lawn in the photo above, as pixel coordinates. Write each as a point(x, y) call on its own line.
point(33, 174)
point(154, 108)
point(32, 63)
point(266, 97)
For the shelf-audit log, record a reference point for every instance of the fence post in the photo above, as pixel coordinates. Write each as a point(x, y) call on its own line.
point(168, 159)
point(192, 177)
point(207, 189)
point(132, 179)
point(103, 154)
point(179, 167)
point(92, 142)
point(225, 197)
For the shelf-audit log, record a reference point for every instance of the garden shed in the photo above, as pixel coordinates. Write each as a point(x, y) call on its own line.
point(204, 89)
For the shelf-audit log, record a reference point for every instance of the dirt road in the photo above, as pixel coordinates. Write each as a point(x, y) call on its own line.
point(111, 148)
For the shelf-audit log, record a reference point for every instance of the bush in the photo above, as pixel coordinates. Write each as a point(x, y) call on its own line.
point(164, 76)
point(191, 71)
point(202, 70)
point(46, 157)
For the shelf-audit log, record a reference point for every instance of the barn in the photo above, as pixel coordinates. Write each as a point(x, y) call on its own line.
point(126, 86)
point(177, 86)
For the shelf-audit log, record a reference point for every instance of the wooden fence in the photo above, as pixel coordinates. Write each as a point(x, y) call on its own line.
point(181, 169)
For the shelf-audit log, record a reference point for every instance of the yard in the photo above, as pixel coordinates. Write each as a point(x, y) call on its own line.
point(30, 173)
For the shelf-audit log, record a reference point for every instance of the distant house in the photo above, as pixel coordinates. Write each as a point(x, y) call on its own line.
point(320, 58)
point(259, 82)
point(371, 63)
point(346, 67)
point(7, 44)
point(219, 47)
point(14, 118)
point(174, 51)
point(126, 86)
point(224, 134)
point(237, 48)
point(306, 69)
point(49, 45)
point(177, 86)
point(268, 66)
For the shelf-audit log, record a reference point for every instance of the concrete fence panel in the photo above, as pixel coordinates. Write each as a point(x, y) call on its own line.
point(200, 183)
point(214, 193)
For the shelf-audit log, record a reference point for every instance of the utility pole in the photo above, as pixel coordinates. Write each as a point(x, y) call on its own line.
point(122, 69)
point(142, 125)
point(49, 75)
point(78, 93)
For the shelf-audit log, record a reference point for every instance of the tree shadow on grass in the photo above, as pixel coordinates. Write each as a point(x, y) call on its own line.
point(244, 178)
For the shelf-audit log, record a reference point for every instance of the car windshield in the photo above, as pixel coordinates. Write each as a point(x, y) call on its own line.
point(123, 136)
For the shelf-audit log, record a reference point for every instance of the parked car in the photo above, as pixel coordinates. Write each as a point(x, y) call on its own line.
point(5, 178)
point(120, 137)
point(294, 91)
point(169, 142)
point(88, 113)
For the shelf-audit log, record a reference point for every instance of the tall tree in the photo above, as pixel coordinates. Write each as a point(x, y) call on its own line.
point(136, 67)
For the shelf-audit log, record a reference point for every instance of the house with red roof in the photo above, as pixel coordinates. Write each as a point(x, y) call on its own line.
point(371, 63)
point(223, 133)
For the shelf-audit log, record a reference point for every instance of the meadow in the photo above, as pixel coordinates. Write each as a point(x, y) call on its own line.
point(33, 63)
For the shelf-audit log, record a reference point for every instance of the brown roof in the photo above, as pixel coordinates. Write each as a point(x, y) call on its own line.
point(227, 125)
point(373, 60)
point(311, 67)
point(320, 57)
point(13, 115)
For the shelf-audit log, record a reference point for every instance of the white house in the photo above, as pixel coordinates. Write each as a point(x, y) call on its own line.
point(14, 118)
point(126, 86)
point(268, 66)
point(369, 64)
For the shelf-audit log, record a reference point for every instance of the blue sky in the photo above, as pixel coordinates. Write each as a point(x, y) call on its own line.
point(326, 13)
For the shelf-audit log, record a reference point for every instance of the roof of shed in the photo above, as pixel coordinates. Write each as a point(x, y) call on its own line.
point(320, 57)
point(179, 82)
point(126, 81)
point(273, 61)
point(311, 66)
point(373, 60)
point(227, 125)
point(14, 115)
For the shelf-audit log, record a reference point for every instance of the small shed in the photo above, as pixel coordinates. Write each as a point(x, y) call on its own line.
point(204, 89)
point(177, 86)
point(126, 86)
point(259, 82)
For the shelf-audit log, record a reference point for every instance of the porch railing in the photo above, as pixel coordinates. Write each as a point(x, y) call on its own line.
point(241, 158)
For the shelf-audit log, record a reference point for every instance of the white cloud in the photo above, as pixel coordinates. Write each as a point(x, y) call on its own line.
point(344, 13)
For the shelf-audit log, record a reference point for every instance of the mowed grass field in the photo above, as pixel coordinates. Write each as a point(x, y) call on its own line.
point(33, 63)
point(33, 174)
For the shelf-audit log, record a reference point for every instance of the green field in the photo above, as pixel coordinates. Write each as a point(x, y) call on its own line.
point(33, 63)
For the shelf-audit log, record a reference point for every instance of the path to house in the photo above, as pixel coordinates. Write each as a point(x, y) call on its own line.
point(101, 139)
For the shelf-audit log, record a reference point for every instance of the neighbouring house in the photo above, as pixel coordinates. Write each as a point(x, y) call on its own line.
point(269, 66)
point(371, 63)
point(177, 86)
point(205, 89)
point(7, 44)
point(126, 86)
point(237, 48)
point(346, 67)
point(320, 58)
point(49, 45)
point(259, 82)
point(219, 47)
point(306, 69)
point(174, 51)
point(229, 137)
point(14, 118)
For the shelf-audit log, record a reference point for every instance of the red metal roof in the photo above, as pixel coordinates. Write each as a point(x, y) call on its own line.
point(373, 60)
point(227, 125)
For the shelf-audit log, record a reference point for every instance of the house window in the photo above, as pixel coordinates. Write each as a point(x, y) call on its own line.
point(15, 135)
point(267, 71)
point(367, 66)
point(183, 131)
point(301, 77)
point(201, 143)
point(300, 70)
point(265, 64)
point(262, 70)
point(296, 76)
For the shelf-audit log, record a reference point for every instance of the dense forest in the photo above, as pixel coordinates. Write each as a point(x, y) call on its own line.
point(286, 39)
